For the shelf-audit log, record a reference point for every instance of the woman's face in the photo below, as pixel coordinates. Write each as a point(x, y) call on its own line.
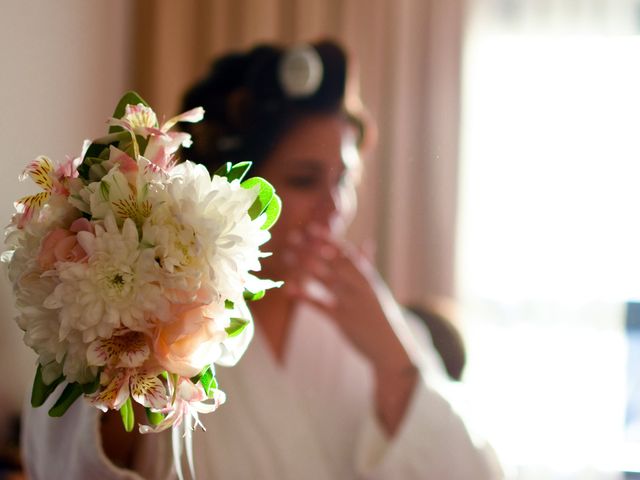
point(314, 169)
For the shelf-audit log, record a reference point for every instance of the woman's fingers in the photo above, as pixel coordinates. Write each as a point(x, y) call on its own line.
point(323, 302)
point(338, 265)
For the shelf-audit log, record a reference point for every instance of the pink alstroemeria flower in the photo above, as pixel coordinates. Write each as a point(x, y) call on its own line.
point(52, 180)
point(188, 403)
point(143, 385)
point(124, 355)
point(138, 119)
point(126, 164)
point(141, 120)
point(69, 168)
point(125, 348)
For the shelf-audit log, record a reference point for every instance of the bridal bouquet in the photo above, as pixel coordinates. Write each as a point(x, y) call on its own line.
point(131, 270)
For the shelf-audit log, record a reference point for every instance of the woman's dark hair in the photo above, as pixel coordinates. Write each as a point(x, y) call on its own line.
point(251, 99)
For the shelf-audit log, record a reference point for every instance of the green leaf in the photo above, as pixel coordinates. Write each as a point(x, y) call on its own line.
point(208, 381)
point(264, 195)
point(224, 169)
point(91, 161)
point(99, 148)
point(252, 297)
point(69, 395)
point(228, 304)
point(95, 152)
point(154, 417)
point(196, 378)
point(267, 202)
point(236, 327)
point(96, 172)
point(129, 98)
point(128, 417)
point(273, 212)
point(238, 171)
point(98, 151)
point(87, 163)
point(127, 145)
point(98, 144)
point(91, 387)
point(41, 391)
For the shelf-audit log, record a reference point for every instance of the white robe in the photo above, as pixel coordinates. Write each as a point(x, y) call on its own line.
point(311, 417)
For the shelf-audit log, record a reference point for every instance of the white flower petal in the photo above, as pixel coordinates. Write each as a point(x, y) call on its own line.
point(115, 393)
point(149, 391)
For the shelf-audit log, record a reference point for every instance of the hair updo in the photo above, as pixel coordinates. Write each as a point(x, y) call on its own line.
point(252, 99)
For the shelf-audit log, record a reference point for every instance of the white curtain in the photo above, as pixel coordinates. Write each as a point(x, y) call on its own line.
point(548, 248)
point(408, 52)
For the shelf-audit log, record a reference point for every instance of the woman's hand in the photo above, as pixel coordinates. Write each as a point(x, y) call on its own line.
point(362, 307)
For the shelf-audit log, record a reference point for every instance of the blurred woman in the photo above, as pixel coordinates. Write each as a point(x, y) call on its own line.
point(331, 387)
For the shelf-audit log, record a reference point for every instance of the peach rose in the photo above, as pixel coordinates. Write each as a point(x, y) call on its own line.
point(61, 245)
point(192, 341)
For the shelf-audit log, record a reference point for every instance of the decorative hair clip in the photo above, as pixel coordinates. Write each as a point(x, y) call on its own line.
point(300, 71)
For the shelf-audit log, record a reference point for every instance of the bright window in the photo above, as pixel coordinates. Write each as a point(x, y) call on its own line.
point(549, 232)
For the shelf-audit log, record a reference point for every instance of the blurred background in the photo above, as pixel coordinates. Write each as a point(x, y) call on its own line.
point(504, 188)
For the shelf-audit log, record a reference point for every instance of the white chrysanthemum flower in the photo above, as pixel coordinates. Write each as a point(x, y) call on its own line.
point(116, 287)
point(185, 271)
point(76, 367)
point(209, 231)
point(30, 288)
point(40, 325)
point(21, 254)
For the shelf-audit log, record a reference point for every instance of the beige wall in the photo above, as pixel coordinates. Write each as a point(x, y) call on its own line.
point(63, 65)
